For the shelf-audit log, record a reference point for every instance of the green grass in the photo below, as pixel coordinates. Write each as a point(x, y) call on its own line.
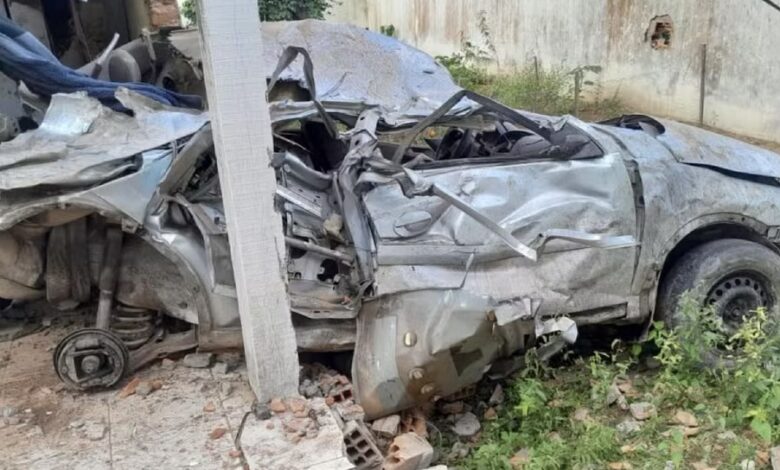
point(537, 415)
point(536, 89)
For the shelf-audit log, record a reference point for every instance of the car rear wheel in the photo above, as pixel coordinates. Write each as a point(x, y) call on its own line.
point(733, 277)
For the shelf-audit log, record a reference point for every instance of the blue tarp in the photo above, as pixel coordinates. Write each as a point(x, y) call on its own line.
point(23, 57)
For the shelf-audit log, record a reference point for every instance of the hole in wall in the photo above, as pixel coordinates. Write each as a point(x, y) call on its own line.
point(659, 33)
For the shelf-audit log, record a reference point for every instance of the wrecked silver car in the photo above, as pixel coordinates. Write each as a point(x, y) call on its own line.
point(432, 232)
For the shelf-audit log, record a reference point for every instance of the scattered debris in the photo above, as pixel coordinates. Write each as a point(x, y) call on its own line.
point(581, 415)
point(130, 388)
point(362, 451)
point(452, 408)
point(198, 360)
point(226, 388)
point(467, 425)
point(702, 466)
point(619, 466)
point(76, 425)
point(628, 427)
point(520, 459)
point(414, 421)
point(727, 436)
point(296, 405)
point(144, 388)
point(168, 364)
point(642, 411)
point(747, 464)
point(277, 405)
point(762, 458)
point(409, 452)
point(209, 407)
point(615, 396)
point(627, 449)
point(686, 419)
point(490, 414)
point(217, 432)
point(299, 426)
point(684, 430)
point(220, 368)
point(386, 427)
point(497, 397)
point(459, 451)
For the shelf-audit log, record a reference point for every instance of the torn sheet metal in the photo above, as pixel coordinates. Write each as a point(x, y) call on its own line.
point(354, 69)
point(81, 143)
point(564, 326)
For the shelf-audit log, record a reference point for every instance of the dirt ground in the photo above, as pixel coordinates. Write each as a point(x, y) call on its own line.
point(190, 422)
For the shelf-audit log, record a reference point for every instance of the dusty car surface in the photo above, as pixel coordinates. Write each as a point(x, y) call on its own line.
point(432, 232)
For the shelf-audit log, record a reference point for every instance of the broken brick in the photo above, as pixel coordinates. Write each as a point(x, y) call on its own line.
point(408, 452)
point(216, 433)
point(414, 421)
point(130, 388)
point(387, 426)
point(350, 411)
point(362, 451)
point(296, 405)
point(277, 405)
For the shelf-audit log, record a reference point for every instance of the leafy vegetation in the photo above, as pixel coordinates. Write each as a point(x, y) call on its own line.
point(531, 87)
point(561, 418)
point(275, 10)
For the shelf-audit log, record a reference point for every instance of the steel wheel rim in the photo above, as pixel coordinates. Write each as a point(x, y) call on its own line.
point(737, 296)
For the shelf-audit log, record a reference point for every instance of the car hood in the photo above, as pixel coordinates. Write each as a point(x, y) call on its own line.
point(696, 146)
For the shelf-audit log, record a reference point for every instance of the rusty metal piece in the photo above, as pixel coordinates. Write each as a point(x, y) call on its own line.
point(91, 358)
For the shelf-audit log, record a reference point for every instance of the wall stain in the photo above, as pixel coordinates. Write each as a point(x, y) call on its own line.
point(618, 14)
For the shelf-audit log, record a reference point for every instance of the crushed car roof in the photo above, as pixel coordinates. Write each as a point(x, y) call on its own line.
point(353, 68)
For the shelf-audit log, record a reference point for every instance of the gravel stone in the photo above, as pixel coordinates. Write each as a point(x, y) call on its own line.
point(198, 360)
point(144, 389)
point(628, 427)
point(94, 431)
point(642, 410)
point(467, 425)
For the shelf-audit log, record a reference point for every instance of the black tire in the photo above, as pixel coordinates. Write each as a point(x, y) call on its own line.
point(733, 276)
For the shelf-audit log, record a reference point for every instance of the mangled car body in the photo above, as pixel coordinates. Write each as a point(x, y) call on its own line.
point(433, 232)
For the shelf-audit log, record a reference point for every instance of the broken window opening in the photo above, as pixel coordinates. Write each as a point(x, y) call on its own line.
point(659, 33)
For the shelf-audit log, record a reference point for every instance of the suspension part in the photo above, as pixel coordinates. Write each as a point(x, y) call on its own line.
point(135, 326)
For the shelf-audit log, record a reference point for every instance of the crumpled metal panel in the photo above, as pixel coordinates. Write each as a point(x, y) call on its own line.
point(81, 143)
point(395, 76)
point(524, 198)
point(679, 198)
point(353, 68)
point(697, 146)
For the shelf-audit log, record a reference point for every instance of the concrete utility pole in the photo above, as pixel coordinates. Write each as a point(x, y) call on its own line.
point(235, 83)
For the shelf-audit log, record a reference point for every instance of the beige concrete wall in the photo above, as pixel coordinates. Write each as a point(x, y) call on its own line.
point(742, 36)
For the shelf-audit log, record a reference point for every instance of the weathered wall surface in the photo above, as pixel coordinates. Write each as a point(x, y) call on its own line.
point(742, 37)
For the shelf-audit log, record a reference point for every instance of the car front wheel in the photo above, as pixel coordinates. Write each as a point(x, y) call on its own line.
point(732, 277)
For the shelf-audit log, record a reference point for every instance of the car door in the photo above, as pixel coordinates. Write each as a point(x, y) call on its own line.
point(579, 216)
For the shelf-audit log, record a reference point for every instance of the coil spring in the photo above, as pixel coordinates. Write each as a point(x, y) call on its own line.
point(135, 326)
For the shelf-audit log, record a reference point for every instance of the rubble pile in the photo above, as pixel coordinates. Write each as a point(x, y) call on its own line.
point(395, 442)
